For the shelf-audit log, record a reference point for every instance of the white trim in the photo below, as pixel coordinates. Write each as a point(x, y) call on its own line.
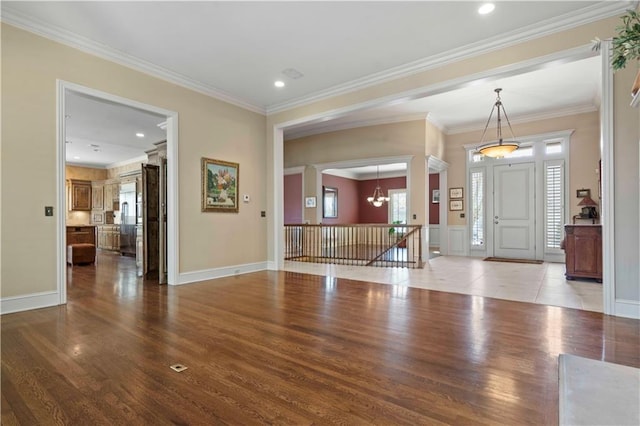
point(293, 170)
point(277, 199)
point(271, 266)
point(173, 197)
point(226, 271)
point(60, 35)
point(564, 22)
point(331, 127)
point(528, 139)
point(434, 230)
point(636, 100)
point(27, 302)
point(627, 308)
point(457, 240)
point(607, 182)
point(61, 233)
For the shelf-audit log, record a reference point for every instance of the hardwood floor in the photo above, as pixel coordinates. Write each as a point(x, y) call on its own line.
point(291, 348)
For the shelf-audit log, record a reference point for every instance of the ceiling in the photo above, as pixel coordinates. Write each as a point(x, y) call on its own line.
point(102, 134)
point(236, 50)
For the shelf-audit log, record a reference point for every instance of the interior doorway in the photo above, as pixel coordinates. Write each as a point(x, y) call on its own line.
point(108, 181)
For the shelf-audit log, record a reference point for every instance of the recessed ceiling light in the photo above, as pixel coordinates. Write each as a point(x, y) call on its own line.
point(279, 83)
point(486, 8)
point(140, 135)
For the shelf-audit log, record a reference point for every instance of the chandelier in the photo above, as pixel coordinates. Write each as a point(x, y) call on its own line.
point(378, 198)
point(501, 148)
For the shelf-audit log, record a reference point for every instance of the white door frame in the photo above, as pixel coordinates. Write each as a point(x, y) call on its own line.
point(172, 179)
point(437, 165)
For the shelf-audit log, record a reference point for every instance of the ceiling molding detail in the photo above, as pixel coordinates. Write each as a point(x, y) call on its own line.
point(589, 14)
point(140, 159)
point(87, 45)
point(329, 127)
point(560, 23)
point(547, 115)
point(433, 120)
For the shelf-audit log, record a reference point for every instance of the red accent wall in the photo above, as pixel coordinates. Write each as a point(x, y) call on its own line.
point(434, 209)
point(293, 199)
point(368, 213)
point(347, 196)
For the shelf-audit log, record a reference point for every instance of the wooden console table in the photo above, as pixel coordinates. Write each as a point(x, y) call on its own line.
point(583, 251)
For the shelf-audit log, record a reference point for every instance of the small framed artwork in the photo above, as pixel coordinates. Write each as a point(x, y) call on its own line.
point(455, 192)
point(309, 202)
point(220, 182)
point(455, 205)
point(435, 196)
point(581, 193)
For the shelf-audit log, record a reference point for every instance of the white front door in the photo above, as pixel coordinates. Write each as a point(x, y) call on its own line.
point(514, 211)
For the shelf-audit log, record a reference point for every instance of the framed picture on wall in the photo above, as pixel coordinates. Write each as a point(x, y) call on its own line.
point(220, 181)
point(455, 205)
point(435, 196)
point(309, 202)
point(455, 193)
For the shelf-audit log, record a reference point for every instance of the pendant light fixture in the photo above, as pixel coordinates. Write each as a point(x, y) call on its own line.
point(501, 148)
point(378, 198)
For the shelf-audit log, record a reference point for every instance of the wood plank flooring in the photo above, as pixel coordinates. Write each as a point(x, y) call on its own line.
point(290, 348)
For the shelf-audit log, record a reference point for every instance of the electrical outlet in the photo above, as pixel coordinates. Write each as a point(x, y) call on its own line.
point(246, 198)
point(462, 215)
point(263, 213)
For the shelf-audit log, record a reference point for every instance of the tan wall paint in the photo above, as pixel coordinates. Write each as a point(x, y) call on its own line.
point(208, 128)
point(584, 154)
point(434, 143)
point(115, 172)
point(388, 140)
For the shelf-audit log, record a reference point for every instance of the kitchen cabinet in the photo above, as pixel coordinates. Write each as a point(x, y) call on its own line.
point(109, 237)
point(97, 195)
point(583, 251)
point(80, 194)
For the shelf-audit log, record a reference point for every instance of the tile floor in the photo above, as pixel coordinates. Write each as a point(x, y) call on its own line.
point(544, 284)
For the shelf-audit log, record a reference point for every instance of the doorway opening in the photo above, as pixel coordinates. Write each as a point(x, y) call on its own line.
point(116, 181)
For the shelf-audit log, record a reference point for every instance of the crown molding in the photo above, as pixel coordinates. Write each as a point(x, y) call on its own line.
point(547, 115)
point(560, 23)
point(327, 126)
point(433, 120)
point(60, 35)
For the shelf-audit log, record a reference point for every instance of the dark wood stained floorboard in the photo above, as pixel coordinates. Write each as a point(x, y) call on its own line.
point(290, 348)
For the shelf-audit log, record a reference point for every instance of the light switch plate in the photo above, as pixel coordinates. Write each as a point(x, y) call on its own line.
point(48, 210)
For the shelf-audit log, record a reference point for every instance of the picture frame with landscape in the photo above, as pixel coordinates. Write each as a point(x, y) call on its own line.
point(220, 183)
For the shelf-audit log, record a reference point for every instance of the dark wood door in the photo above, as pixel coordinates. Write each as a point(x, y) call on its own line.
point(151, 219)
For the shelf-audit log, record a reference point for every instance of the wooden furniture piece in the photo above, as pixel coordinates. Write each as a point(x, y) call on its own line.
point(80, 194)
point(81, 253)
point(81, 244)
point(579, 219)
point(583, 251)
point(109, 237)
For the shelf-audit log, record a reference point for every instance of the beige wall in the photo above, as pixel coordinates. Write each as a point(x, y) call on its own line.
point(207, 128)
point(387, 140)
point(584, 154)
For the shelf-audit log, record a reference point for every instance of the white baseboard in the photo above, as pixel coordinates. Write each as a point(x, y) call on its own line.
point(457, 237)
point(271, 266)
point(227, 271)
point(29, 301)
point(627, 308)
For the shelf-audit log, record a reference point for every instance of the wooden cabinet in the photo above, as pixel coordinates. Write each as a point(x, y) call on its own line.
point(583, 251)
point(81, 234)
point(109, 237)
point(80, 194)
point(97, 195)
